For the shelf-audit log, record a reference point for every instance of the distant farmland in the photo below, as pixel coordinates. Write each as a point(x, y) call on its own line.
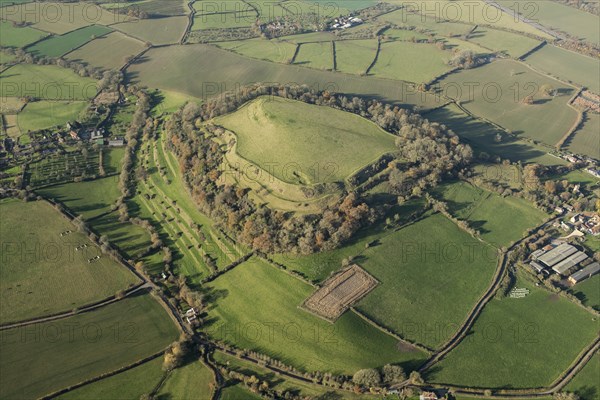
point(219, 70)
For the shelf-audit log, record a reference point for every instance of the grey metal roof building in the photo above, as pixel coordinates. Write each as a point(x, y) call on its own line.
point(585, 273)
point(569, 262)
point(557, 254)
point(537, 266)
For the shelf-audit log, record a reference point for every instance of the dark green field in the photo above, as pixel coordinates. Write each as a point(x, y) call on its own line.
point(431, 275)
point(56, 46)
point(519, 343)
point(241, 316)
point(65, 352)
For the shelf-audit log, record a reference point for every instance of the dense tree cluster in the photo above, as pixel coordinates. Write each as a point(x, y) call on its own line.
point(428, 152)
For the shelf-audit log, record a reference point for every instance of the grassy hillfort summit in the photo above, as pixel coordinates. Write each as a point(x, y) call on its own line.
point(300, 199)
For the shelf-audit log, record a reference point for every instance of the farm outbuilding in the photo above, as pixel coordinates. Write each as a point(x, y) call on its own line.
point(585, 273)
point(557, 254)
point(569, 262)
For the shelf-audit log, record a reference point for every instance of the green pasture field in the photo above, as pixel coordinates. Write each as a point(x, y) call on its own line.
point(223, 21)
point(108, 52)
point(513, 44)
point(42, 273)
point(47, 114)
point(191, 381)
point(11, 126)
point(514, 343)
point(169, 102)
point(310, 37)
point(60, 18)
point(280, 382)
point(156, 31)
point(6, 58)
point(428, 25)
point(415, 265)
point(12, 36)
point(585, 139)
point(481, 136)
point(567, 65)
point(297, 337)
point(87, 345)
point(270, 50)
point(315, 144)
point(501, 88)
point(404, 34)
point(56, 46)
point(11, 105)
point(588, 292)
point(62, 168)
point(578, 23)
point(130, 238)
point(412, 62)
point(315, 55)
point(586, 384)
point(168, 68)
point(155, 8)
point(456, 45)
point(88, 199)
point(499, 174)
point(11, 2)
point(113, 159)
point(579, 177)
point(238, 392)
point(469, 12)
point(127, 385)
point(317, 267)
point(354, 56)
point(47, 82)
point(500, 220)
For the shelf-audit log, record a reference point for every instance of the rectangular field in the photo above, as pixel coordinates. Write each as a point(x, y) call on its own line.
point(42, 272)
point(315, 55)
point(481, 136)
point(500, 220)
point(47, 82)
point(47, 114)
point(61, 353)
point(89, 199)
point(431, 274)
point(256, 298)
point(161, 31)
point(551, 14)
point(517, 334)
point(499, 91)
point(108, 52)
point(513, 44)
point(58, 17)
point(567, 65)
point(340, 292)
point(585, 139)
point(355, 56)
point(13, 36)
point(56, 46)
point(131, 384)
point(271, 50)
point(412, 62)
